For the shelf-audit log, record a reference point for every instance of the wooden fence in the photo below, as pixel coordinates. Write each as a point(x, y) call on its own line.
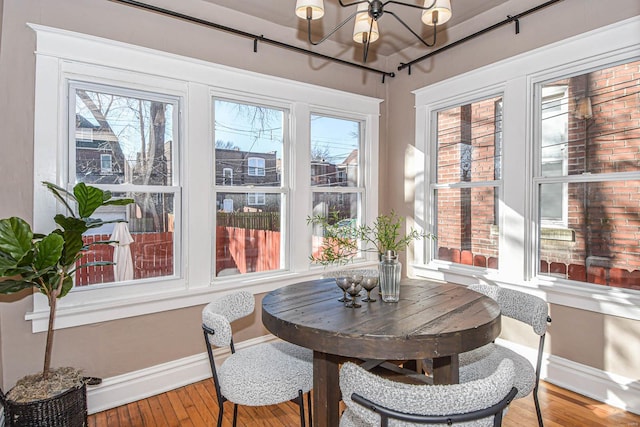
point(247, 250)
point(152, 255)
point(607, 276)
point(269, 221)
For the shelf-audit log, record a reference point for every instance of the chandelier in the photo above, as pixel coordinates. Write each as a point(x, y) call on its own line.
point(367, 14)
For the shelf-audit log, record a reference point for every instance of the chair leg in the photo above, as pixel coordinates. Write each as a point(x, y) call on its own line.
point(235, 414)
point(220, 412)
point(300, 400)
point(309, 407)
point(538, 412)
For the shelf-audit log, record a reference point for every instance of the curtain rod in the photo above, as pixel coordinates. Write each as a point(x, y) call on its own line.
point(479, 33)
point(255, 37)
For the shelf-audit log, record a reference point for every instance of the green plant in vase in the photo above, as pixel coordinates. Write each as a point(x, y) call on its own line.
point(344, 239)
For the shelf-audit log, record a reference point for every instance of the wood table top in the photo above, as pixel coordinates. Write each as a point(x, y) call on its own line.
point(431, 320)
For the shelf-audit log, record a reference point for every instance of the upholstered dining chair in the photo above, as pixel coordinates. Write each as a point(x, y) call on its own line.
point(372, 400)
point(480, 362)
point(263, 374)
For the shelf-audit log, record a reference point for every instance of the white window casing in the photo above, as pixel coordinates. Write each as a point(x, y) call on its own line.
point(63, 56)
point(517, 79)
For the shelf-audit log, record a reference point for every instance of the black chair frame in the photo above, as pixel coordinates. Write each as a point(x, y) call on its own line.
point(386, 414)
point(221, 399)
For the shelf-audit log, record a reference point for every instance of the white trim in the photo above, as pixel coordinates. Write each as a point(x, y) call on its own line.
point(615, 390)
point(147, 382)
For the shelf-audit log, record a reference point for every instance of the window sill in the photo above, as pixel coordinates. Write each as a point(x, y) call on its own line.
point(71, 315)
point(610, 301)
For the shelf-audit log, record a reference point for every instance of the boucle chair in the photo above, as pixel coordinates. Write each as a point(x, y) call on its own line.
point(480, 362)
point(375, 401)
point(263, 374)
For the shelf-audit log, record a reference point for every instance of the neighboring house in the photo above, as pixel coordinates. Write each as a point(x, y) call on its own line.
point(241, 168)
point(99, 157)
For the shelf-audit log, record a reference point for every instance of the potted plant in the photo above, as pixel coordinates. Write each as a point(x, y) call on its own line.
point(48, 263)
point(344, 239)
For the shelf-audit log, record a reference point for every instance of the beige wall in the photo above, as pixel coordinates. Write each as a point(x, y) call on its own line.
point(603, 342)
point(121, 346)
point(117, 347)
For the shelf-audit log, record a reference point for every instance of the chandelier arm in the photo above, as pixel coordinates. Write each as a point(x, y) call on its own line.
point(354, 3)
point(413, 32)
point(409, 4)
point(365, 50)
point(332, 31)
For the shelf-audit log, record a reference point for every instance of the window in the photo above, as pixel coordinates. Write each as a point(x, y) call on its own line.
point(589, 169)
point(105, 164)
point(255, 166)
point(203, 209)
point(249, 237)
point(336, 187)
point(137, 129)
point(256, 198)
point(554, 140)
point(563, 140)
point(465, 190)
point(227, 176)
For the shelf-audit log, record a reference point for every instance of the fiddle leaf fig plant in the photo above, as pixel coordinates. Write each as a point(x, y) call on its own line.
point(48, 262)
point(345, 239)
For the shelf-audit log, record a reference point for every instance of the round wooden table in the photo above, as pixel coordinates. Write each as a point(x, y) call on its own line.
point(432, 320)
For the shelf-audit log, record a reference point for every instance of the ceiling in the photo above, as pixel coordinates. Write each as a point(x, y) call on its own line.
point(393, 36)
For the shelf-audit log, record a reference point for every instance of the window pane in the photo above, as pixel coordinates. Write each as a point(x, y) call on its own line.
point(334, 152)
point(592, 121)
point(248, 237)
point(469, 142)
point(600, 244)
point(466, 229)
point(137, 134)
point(249, 141)
point(345, 207)
point(147, 242)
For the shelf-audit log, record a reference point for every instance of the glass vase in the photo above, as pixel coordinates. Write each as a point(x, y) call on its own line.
point(390, 269)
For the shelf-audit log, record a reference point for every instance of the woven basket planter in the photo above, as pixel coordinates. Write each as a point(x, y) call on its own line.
point(68, 409)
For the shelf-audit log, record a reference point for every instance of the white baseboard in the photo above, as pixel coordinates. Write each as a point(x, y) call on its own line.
point(133, 386)
point(614, 390)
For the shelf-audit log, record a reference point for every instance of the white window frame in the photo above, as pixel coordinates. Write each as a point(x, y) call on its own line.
point(63, 55)
point(363, 213)
point(517, 77)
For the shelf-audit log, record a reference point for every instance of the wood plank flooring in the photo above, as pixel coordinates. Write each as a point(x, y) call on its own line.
point(195, 405)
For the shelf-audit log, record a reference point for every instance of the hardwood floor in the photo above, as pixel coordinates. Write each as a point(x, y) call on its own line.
point(195, 405)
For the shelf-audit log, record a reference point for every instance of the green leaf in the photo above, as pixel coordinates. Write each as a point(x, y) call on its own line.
point(89, 199)
point(12, 286)
point(118, 202)
point(15, 237)
point(73, 244)
point(48, 251)
point(67, 285)
point(58, 192)
point(70, 224)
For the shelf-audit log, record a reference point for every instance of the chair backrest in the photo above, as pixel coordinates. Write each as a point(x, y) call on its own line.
point(526, 308)
point(429, 402)
point(219, 314)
